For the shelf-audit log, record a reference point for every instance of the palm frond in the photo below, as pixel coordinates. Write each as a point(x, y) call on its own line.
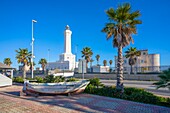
point(122, 25)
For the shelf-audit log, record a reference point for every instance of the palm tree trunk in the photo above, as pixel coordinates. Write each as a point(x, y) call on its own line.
point(43, 69)
point(86, 67)
point(24, 71)
point(90, 66)
point(119, 85)
point(131, 71)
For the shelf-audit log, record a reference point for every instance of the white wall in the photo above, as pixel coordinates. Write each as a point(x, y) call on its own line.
point(5, 81)
point(101, 69)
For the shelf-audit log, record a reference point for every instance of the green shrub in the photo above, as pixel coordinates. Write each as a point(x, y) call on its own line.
point(133, 94)
point(164, 81)
point(39, 79)
point(18, 79)
point(96, 82)
point(49, 79)
point(59, 79)
point(30, 78)
point(72, 80)
point(52, 79)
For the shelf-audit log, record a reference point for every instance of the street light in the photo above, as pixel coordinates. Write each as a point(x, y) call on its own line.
point(33, 21)
point(48, 55)
point(76, 46)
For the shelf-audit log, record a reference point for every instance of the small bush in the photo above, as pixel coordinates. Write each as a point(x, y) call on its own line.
point(72, 80)
point(49, 79)
point(59, 79)
point(52, 79)
point(39, 79)
point(96, 82)
point(18, 79)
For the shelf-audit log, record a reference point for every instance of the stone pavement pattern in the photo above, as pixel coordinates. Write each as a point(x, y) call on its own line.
point(10, 102)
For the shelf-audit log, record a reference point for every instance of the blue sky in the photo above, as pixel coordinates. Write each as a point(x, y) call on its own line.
point(86, 18)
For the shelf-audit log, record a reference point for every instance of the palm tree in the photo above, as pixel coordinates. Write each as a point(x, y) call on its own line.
point(87, 54)
point(43, 63)
point(23, 56)
point(110, 62)
point(164, 80)
point(121, 26)
point(97, 58)
point(104, 62)
point(7, 61)
point(91, 61)
point(30, 64)
point(132, 53)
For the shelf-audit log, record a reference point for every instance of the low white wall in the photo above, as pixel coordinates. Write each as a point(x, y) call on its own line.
point(5, 81)
point(147, 77)
point(65, 74)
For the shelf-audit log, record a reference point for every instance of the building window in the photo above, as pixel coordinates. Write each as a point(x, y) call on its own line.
point(142, 61)
point(125, 61)
point(144, 53)
point(67, 57)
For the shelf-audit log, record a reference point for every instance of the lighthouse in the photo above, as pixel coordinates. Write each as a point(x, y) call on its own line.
point(66, 59)
point(67, 40)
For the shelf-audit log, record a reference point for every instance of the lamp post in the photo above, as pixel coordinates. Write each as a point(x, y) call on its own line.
point(32, 74)
point(76, 54)
point(48, 55)
point(48, 61)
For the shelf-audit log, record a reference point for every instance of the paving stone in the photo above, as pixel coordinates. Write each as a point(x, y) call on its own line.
point(86, 103)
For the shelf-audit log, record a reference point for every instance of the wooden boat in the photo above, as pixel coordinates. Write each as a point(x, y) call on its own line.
point(55, 88)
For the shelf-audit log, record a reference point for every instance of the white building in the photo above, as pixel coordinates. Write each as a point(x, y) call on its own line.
point(100, 69)
point(66, 59)
point(145, 63)
point(82, 66)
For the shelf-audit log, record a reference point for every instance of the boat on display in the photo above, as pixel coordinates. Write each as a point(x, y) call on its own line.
point(55, 88)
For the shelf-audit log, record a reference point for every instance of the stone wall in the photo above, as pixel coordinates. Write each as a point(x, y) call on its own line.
point(147, 77)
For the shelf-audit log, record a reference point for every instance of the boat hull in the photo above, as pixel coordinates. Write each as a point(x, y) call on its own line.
point(55, 88)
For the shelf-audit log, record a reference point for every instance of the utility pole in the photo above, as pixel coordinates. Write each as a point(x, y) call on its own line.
point(32, 74)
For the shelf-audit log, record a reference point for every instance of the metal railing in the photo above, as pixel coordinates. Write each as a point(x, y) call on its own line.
point(144, 69)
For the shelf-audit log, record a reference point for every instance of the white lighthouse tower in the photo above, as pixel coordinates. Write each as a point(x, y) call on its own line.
point(67, 59)
point(67, 55)
point(67, 40)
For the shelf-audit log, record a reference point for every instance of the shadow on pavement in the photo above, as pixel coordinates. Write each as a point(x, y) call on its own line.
point(14, 93)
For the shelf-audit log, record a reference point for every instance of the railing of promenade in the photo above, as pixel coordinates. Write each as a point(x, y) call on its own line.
point(137, 70)
point(144, 69)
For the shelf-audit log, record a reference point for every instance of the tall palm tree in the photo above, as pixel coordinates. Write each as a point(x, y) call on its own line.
point(23, 56)
point(132, 53)
point(87, 54)
point(43, 63)
point(7, 61)
point(104, 62)
point(121, 26)
point(110, 62)
point(30, 64)
point(164, 81)
point(97, 58)
point(91, 61)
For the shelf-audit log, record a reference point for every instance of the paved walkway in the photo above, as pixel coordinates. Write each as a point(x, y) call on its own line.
point(10, 102)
